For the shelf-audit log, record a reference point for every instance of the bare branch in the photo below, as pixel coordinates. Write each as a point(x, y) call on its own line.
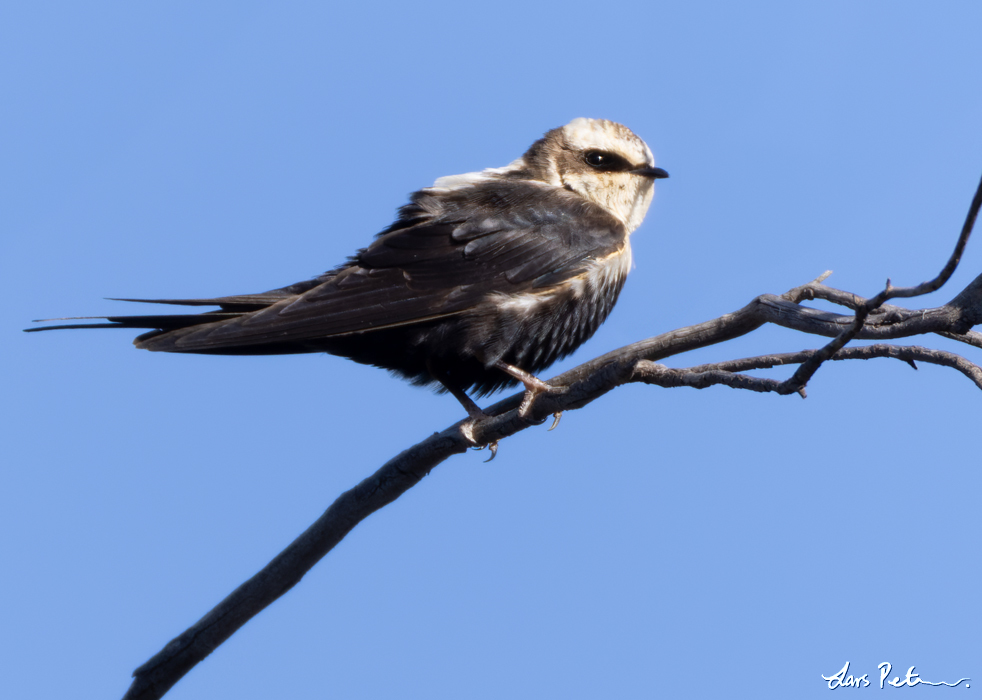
point(950, 266)
point(648, 372)
point(808, 368)
point(584, 384)
point(727, 373)
point(973, 338)
point(968, 305)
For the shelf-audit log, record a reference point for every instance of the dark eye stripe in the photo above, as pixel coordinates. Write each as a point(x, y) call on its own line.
point(605, 161)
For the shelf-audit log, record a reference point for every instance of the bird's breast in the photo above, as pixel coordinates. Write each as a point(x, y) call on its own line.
point(534, 329)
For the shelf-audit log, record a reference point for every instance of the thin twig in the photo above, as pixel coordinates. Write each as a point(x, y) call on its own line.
point(728, 373)
point(807, 369)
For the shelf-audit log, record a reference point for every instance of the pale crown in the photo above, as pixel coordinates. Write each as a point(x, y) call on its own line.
point(594, 158)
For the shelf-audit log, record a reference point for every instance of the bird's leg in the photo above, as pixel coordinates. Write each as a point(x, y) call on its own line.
point(474, 412)
point(533, 387)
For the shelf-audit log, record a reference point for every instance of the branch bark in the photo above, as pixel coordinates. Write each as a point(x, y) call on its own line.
point(872, 320)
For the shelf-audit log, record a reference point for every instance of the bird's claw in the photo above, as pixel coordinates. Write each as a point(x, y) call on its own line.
point(493, 446)
point(555, 419)
point(467, 430)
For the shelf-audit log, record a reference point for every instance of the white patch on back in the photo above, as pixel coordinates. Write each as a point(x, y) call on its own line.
point(456, 182)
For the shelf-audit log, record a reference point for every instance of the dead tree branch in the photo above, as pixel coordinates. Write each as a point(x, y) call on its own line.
point(872, 320)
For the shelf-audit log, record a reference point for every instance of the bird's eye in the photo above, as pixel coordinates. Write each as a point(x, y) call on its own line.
point(597, 159)
point(607, 162)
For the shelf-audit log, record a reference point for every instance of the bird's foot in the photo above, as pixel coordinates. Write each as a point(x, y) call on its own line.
point(467, 430)
point(493, 446)
point(467, 427)
point(474, 416)
point(533, 387)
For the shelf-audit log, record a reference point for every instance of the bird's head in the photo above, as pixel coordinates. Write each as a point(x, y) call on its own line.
point(601, 161)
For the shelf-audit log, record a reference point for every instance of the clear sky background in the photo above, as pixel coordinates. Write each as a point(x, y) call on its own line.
point(659, 543)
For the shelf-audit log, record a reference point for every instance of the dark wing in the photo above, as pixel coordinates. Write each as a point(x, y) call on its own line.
point(445, 254)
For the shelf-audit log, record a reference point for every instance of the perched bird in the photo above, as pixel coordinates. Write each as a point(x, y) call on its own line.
point(483, 280)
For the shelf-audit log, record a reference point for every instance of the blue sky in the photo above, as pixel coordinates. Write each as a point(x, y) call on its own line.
point(660, 543)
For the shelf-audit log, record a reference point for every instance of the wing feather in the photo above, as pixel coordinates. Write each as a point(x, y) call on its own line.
point(492, 238)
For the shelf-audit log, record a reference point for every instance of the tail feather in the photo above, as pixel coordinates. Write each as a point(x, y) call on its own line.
point(165, 330)
point(231, 307)
point(241, 302)
point(163, 322)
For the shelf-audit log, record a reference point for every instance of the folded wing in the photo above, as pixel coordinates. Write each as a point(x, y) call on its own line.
point(446, 253)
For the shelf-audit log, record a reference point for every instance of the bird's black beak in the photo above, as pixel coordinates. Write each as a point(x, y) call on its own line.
point(653, 173)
